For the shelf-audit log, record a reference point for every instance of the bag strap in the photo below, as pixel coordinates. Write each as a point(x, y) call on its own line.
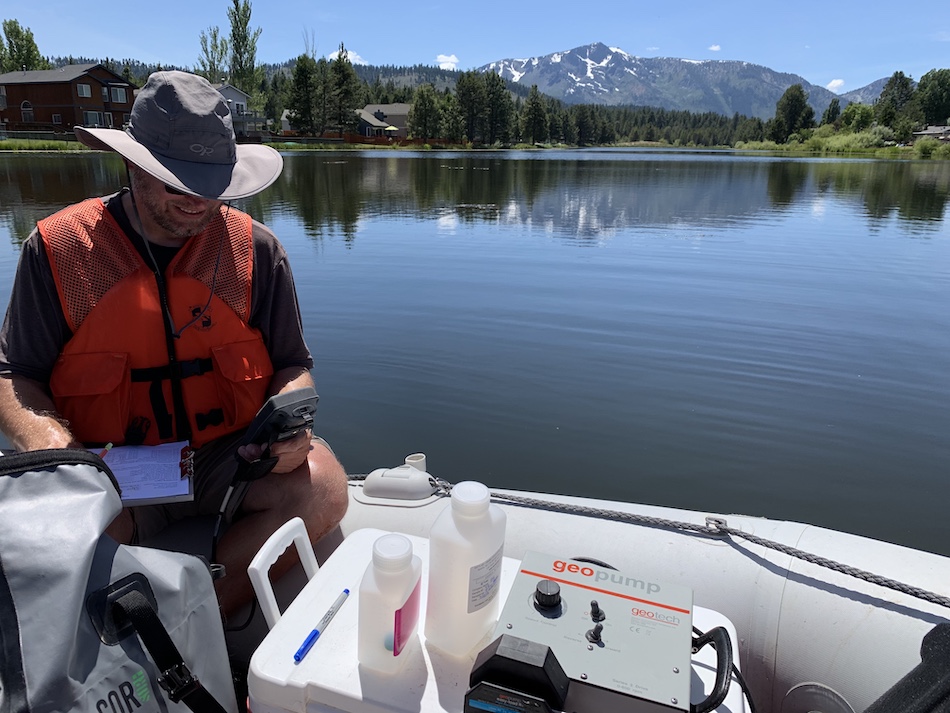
point(176, 679)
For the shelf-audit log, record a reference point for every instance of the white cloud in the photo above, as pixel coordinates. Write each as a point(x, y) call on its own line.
point(834, 85)
point(653, 49)
point(350, 55)
point(447, 61)
point(714, 48)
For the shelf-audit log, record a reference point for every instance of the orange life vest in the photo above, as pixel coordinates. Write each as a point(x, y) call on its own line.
point(123, 377)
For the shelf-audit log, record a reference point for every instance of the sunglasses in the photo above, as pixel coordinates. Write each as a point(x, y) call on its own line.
point(174, 191)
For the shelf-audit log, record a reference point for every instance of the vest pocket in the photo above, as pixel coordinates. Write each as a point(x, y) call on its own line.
point(242, 373)
point(92, 392)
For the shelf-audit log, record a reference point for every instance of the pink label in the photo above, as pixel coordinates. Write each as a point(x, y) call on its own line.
point(406, 619)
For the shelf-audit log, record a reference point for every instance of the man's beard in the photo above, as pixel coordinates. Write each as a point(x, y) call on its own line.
point(161, 212)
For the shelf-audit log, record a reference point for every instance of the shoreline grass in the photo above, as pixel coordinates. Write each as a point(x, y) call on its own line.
point(851, 145)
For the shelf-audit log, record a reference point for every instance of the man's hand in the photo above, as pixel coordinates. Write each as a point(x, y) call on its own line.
point(291, 453)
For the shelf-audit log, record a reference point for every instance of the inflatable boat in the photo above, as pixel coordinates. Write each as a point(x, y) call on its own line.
point(820, 621)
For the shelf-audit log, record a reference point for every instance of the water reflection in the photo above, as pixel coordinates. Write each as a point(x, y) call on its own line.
point(579, 195)
point(760, 336)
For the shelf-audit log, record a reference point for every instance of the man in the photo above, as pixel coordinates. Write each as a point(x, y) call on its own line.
point(161, 314)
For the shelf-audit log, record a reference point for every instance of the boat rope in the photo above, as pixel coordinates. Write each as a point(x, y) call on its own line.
point(718, 527)
point(714, 527)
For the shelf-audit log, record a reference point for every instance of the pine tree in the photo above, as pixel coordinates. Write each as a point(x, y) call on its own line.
point(499, 109)
point(832, 113)
point(933, 95)
point(303, 93)
point(792, 114)
point(470, 92)
point(425, 116)
point(244, 72)
point(345, 91)
point(534, 117)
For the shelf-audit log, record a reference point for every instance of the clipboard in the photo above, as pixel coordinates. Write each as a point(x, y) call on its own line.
point(151, 475)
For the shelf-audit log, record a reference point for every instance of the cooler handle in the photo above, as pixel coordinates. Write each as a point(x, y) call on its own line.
point(292, 531)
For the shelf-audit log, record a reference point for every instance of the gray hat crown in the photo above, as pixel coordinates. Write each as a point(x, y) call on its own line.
point(181, 116)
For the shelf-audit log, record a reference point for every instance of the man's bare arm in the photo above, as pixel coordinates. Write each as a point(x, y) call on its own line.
point(288, 379)
point(28, 417)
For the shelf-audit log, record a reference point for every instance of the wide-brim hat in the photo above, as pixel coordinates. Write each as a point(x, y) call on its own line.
point(180, 132)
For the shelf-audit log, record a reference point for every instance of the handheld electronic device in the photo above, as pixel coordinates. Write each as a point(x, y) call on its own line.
point(282, 416)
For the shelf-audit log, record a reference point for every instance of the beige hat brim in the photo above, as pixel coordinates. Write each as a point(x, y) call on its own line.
point(256, 167)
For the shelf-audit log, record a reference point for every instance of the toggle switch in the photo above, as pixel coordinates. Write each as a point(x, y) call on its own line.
point(596, 613)
point(593, 635)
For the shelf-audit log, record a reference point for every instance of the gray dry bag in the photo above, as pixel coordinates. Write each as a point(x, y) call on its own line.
point(87, 624)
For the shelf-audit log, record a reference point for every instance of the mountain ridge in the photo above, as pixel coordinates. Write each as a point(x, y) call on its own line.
point(598, 74)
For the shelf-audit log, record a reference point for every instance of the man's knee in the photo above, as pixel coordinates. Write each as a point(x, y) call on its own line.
point(316, 492)
point(328, 485)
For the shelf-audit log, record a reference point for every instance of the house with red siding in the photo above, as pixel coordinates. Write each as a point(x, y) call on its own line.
point(59, 99)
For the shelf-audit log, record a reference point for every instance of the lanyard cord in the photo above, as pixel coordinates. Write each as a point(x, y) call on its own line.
point(214, 275)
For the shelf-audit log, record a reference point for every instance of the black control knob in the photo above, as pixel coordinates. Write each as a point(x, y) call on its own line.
point(548, 594)
point(596, 613)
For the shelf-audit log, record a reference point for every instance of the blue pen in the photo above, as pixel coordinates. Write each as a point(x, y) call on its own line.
point(321, 625)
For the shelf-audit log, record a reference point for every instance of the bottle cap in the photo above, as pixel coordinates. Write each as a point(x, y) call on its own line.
point(392, 552)
point(470, 498)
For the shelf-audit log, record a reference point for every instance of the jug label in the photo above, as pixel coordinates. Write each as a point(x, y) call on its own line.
point(406, 618)
point(484, 581)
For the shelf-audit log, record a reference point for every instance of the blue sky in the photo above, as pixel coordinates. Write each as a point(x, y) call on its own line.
point(842, 46)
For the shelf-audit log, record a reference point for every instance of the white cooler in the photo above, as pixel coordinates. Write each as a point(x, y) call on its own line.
point(329, 678)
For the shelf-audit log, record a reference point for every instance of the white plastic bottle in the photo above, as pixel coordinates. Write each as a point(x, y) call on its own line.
point(390, 594)
point(466, 544)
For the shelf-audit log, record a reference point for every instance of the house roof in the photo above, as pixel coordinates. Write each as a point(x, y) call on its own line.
point(52, 76)
point(219, 86)
point(388, 108)
point(933, 130)
point(370, 119)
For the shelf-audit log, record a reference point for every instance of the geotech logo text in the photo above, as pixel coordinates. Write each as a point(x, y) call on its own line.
point(600, 575)
point(655, 616)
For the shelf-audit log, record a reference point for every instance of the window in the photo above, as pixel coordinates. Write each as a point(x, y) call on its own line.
point(239, 109)
point(3, 97)
point(57, 118)
point(92, 118)
point(105, 94)
point(108, 118)
point(118, 95)
point(84, 90)
point(26, 112)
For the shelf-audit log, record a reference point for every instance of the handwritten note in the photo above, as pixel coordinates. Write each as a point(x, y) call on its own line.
point(153, 474)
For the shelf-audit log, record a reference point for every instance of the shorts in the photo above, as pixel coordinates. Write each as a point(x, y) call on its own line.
point(215, 466)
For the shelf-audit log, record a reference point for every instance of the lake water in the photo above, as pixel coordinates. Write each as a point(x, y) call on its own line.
point(702, 330)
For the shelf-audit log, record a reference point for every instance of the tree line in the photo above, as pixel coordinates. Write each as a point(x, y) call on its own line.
point(902, 108)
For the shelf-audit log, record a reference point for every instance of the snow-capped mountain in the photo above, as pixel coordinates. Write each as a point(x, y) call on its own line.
point(597, 74)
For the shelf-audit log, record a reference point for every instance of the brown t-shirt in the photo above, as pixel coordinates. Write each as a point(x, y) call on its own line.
point(35, 331)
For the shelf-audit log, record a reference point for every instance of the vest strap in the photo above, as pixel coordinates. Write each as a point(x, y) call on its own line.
point(163, 418)
point(180, 369)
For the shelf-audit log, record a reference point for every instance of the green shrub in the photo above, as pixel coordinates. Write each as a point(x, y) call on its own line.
point(881, 134)
point(815, 144)
point(925, 147)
